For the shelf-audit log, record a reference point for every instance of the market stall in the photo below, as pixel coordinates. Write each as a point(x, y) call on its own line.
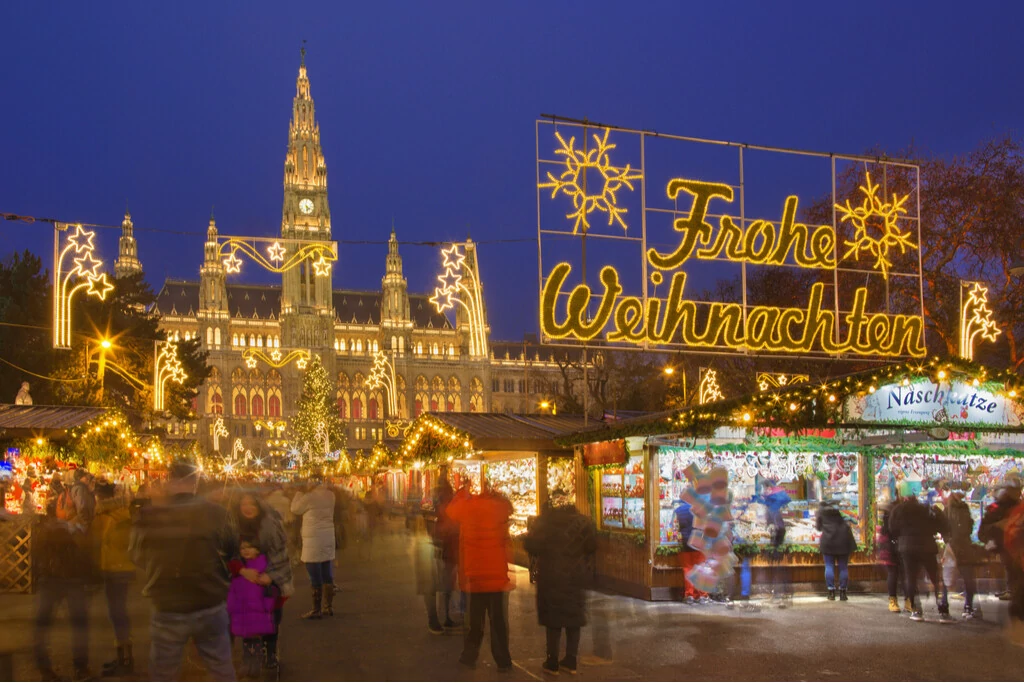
point(939, 425)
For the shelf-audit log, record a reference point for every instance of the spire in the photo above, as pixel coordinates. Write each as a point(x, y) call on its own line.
point(127, 262)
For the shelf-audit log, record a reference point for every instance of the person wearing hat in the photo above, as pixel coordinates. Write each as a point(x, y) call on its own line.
point(993, 523)
point(914, 526)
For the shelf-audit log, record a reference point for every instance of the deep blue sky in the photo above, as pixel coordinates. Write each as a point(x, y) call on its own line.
point(427, 109)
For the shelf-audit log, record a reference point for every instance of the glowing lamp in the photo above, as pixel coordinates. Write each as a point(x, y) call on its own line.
point(669, 370)
point(746, 417)
point(942, 374)
point(872, 389)
point(831, 398)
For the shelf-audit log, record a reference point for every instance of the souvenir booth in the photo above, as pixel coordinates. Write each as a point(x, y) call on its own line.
point(514, 454)
point(940, 425)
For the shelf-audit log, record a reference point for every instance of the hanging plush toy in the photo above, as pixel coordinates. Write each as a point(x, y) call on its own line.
point(709, 499)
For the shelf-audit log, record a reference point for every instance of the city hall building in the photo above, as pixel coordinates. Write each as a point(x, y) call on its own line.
point(437, 368)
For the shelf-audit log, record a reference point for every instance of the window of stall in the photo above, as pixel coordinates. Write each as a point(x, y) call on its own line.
point(517, 480)
point(561, 481)
point(622, 495)
point(808, 478)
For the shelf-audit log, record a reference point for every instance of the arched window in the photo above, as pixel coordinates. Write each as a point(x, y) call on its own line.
point(476, 395)
point(419, 408)
point(239, 403)
point(341, 345)
point(454, 398)
point(216, 402)
point(277, 342)
point(259, 340)
point(357, 409)
point(422, 396)
point(375, 347)
point(451, 350)
point(433, 349)
point(394, 343)
point(216, 336)
point(274, 405)
point(341, 407)
point(371, 409)
point(401, 346)
point(252, 340)
point(209, 336)
point(234, 340)
point(419, 348)
point(437, 401)
point(257, 405)
point(433, 405)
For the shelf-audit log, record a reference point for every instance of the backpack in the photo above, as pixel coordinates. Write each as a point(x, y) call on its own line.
point(67, 511)
point(1013, 534)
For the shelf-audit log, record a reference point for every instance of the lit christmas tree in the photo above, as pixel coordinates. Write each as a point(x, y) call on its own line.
point(316, 428)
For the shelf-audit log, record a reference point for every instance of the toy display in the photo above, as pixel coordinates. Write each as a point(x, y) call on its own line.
point(622, 496)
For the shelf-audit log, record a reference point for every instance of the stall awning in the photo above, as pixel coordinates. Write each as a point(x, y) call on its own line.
point(48, 422)
point(452, 433)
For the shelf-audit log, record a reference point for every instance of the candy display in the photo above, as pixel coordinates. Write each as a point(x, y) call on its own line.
point(516, 479)
point(808, 478)
point(622, 496)
point(561, 477)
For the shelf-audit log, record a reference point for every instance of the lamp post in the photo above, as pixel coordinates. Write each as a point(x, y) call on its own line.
point(544, 405)
point(668, 372)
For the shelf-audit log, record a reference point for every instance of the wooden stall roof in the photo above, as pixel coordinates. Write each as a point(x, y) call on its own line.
point(509, 432)
point(43, 421)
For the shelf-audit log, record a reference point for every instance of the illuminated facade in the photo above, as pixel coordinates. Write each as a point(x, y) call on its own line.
point(250, 330)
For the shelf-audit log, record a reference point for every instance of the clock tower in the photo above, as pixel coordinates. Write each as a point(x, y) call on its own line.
point(307, 312)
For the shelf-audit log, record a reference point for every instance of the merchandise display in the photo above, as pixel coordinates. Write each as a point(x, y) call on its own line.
point(466, 470)
point(622, 495)
point(516, 479)
point(808, 478)
point(931, 475)
point(561, 477)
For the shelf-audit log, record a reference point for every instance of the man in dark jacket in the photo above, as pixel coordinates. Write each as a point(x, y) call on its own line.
point(688, 557)
point(837, 544)
point(993, 523)
point(961, 526)
point(182, 547)
point(563, 541)
point(914, 526)
point(61, 565)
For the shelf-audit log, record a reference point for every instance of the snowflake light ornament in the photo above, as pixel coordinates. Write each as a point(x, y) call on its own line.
point(876, 227)
point(572, 181)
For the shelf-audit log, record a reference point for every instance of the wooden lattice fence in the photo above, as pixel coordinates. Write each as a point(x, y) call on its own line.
point(16, 556)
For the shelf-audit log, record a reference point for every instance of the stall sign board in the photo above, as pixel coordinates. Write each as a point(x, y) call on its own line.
point(925, 402)
point(605, 453)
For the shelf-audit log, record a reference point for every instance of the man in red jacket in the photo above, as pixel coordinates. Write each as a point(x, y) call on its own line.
point(483, 570)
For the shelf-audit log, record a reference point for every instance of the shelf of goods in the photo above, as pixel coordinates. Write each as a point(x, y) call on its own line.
point(622, 496)
point(517, 480)
point(561, 481)
point(808, 479)
point(976, 476)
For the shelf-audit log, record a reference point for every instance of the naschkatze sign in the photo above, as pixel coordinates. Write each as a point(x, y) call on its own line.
point(925, 402)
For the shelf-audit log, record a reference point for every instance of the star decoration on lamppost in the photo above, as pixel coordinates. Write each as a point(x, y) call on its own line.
point(83, 273)
point(232, 263)
point(460, 284)
point(322, 267)
point(975, 319)
point(276, 252)
point(219, 430)
point(382, 375)
point(81, 240)
point(166, 366)
point(453, 258)
point(708, 390)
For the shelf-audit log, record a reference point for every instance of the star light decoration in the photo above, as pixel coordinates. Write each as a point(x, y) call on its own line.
point(709, 500)
point(278, 258)
point(275, 359)
point(572, 182)
point(708, 390)
point(976, 320)
point(219, 430)
point(166, 366)
point(84, 273)
point(774, 380)
point(876, 227)
point(460, 285)
point(382, 375)
point(276, 252)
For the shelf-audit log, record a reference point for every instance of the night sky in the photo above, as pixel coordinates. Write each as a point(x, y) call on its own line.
point(427, 110)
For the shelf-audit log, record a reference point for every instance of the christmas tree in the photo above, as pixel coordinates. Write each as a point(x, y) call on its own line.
point(316, 428)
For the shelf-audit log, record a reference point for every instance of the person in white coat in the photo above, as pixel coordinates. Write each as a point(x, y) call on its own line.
point(316, 506)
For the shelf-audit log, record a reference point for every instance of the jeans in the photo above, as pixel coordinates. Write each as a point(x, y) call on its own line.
point(116, 588)
point(51, 593)
point(209, 628)
point(892, 578)
point(913, 563)
point(320, 572)
point(480, 605)
point(830, 573)
point(572, 643)
point(966, 572)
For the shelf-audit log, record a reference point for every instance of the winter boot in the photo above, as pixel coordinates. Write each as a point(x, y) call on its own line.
point(894, 604)
point(315, 613)
point(842, 595)
point(328, 600)
point(908, 607)
point(252, 658)
point(123, 664)
point(831, 594)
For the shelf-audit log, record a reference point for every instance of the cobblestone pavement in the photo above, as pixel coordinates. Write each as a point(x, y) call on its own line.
point(379, 633)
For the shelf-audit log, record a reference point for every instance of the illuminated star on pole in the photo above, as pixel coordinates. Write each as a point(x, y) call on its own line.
point(453, 258)
point(301, 363)
point(232, 263)
point(322, 267)
point(100, 286)
point(276, 252)
point(81, 240)
point(87, 266)
point(442, 300)
point(251, 362)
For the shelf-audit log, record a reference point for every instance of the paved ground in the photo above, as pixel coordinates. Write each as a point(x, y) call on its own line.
point(380, 633)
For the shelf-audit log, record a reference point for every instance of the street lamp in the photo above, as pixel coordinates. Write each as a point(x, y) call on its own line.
point(544, 405)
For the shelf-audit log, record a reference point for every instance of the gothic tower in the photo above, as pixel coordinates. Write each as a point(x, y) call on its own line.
point(213, 292)
point(306, 214)
point(127, 262)
point(394, 307)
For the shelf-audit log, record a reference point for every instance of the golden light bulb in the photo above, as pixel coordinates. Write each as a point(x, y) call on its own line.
point(746, 417)
point(942, 374)
point(831, 398)
point(871, 389)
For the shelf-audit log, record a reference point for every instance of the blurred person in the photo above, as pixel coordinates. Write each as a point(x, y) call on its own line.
point(111, 532)
point(446, 541)
point(424, 560)
point(252, 604)
point(965, 555)
point(55, 490)
point(993, 525)
point(182, 546)
point(61, 567)
point(775, 501)
point(1013, 547)
point(82, 493)
point(255, 519)
point(483, 570)
point(889, 555)
point(914, 526)
point(28, 500)
point(564, 543)
point(688, 557)
point(837, 544)
point(316, 507)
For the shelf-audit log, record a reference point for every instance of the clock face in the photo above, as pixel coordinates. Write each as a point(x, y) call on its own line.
point(306, 206)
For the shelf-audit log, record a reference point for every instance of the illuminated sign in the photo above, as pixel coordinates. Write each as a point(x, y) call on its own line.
point(975, 319)
point(867, 256)
point(923, 401)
